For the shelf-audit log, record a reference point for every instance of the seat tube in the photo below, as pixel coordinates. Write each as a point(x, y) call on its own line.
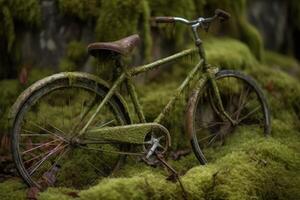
point(135, 101)
point(133, 95)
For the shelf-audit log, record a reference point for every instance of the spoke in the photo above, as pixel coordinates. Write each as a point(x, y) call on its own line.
point(33, 168)
point(104, 163)
point(211, 135)
point(47, 130)
point(98, 170)
point(211, 124)
point(31, 133)
point(105, 124)
point(228, 91)
point(62, 153)
point(212, 139)
point(35, 144)
point(61, 137)
point(35, 135)
point(250, 113)
point(95, 141)
point(36, 157)
point(86, 111)
point(56, 128)
point(242, 102)
point(42, 145)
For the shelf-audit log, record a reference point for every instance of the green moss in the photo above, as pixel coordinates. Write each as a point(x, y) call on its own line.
point(27, 14)
point(83, 10)
point(142, 186)
point(249, 167)
point(75, 56)
point(238, 26)
point(9, 92)
point(239, 57)
point(147, 40)
point(132, 17)
point(12, 189)
point(76, 51)
point(182, 8)
point(283, 90)
point(36, 74)
point(153, 99)
point(286, 63)
point(58, 193)
point(8, 28)
point(250, 35)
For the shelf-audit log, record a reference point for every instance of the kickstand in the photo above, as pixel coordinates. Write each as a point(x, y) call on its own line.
point(173, 171)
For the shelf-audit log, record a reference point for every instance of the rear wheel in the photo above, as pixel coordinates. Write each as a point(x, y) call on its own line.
point(242, 99)
point(43, 150)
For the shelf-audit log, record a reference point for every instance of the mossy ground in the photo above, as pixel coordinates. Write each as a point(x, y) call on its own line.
point(249, 166)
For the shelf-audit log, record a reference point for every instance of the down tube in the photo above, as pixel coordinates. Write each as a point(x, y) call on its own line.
point(178, 92)
point(106, 98)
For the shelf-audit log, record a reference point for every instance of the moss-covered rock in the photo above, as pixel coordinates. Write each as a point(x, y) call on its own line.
point(75, 56)
point(12, 189)
point(9, 92)
point(82, 10)
point(238, 26)
point(119, 19)
point(182, 8)
point(286, 63)
point(27, 14)
point(239, 57)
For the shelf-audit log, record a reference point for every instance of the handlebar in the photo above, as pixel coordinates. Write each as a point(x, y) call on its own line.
point(223, 15)
point(219, 14)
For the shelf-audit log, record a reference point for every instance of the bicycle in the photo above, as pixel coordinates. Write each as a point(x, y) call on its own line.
point(75, 120)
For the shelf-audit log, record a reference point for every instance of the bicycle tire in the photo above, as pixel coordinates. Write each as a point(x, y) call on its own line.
point(195, 104)
point(54, 84)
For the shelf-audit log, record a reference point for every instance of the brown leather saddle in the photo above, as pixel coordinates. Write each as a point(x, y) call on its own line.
point(120, 47)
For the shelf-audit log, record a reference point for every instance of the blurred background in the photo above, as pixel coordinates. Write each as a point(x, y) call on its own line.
point(42, 37)
point(53, 34)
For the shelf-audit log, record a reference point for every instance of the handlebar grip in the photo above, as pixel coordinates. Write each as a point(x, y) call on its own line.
point(164, 19)
point(223, 15)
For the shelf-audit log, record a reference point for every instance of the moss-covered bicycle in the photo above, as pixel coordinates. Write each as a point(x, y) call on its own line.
point(74, 120)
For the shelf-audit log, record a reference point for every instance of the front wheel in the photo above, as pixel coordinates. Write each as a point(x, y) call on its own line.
point(242, 99)
point(47, 120)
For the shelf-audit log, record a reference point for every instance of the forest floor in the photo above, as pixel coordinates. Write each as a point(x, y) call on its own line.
point(249, 166)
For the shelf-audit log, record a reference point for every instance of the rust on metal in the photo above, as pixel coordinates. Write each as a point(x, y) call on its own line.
point(144, 68)
point(123, 46)
point(191, 107)
point(71, 76)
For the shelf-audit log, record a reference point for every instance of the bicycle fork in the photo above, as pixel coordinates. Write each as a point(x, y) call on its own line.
point(220, 107)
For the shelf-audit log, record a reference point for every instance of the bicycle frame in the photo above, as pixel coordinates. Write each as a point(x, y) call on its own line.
point(127, 76)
